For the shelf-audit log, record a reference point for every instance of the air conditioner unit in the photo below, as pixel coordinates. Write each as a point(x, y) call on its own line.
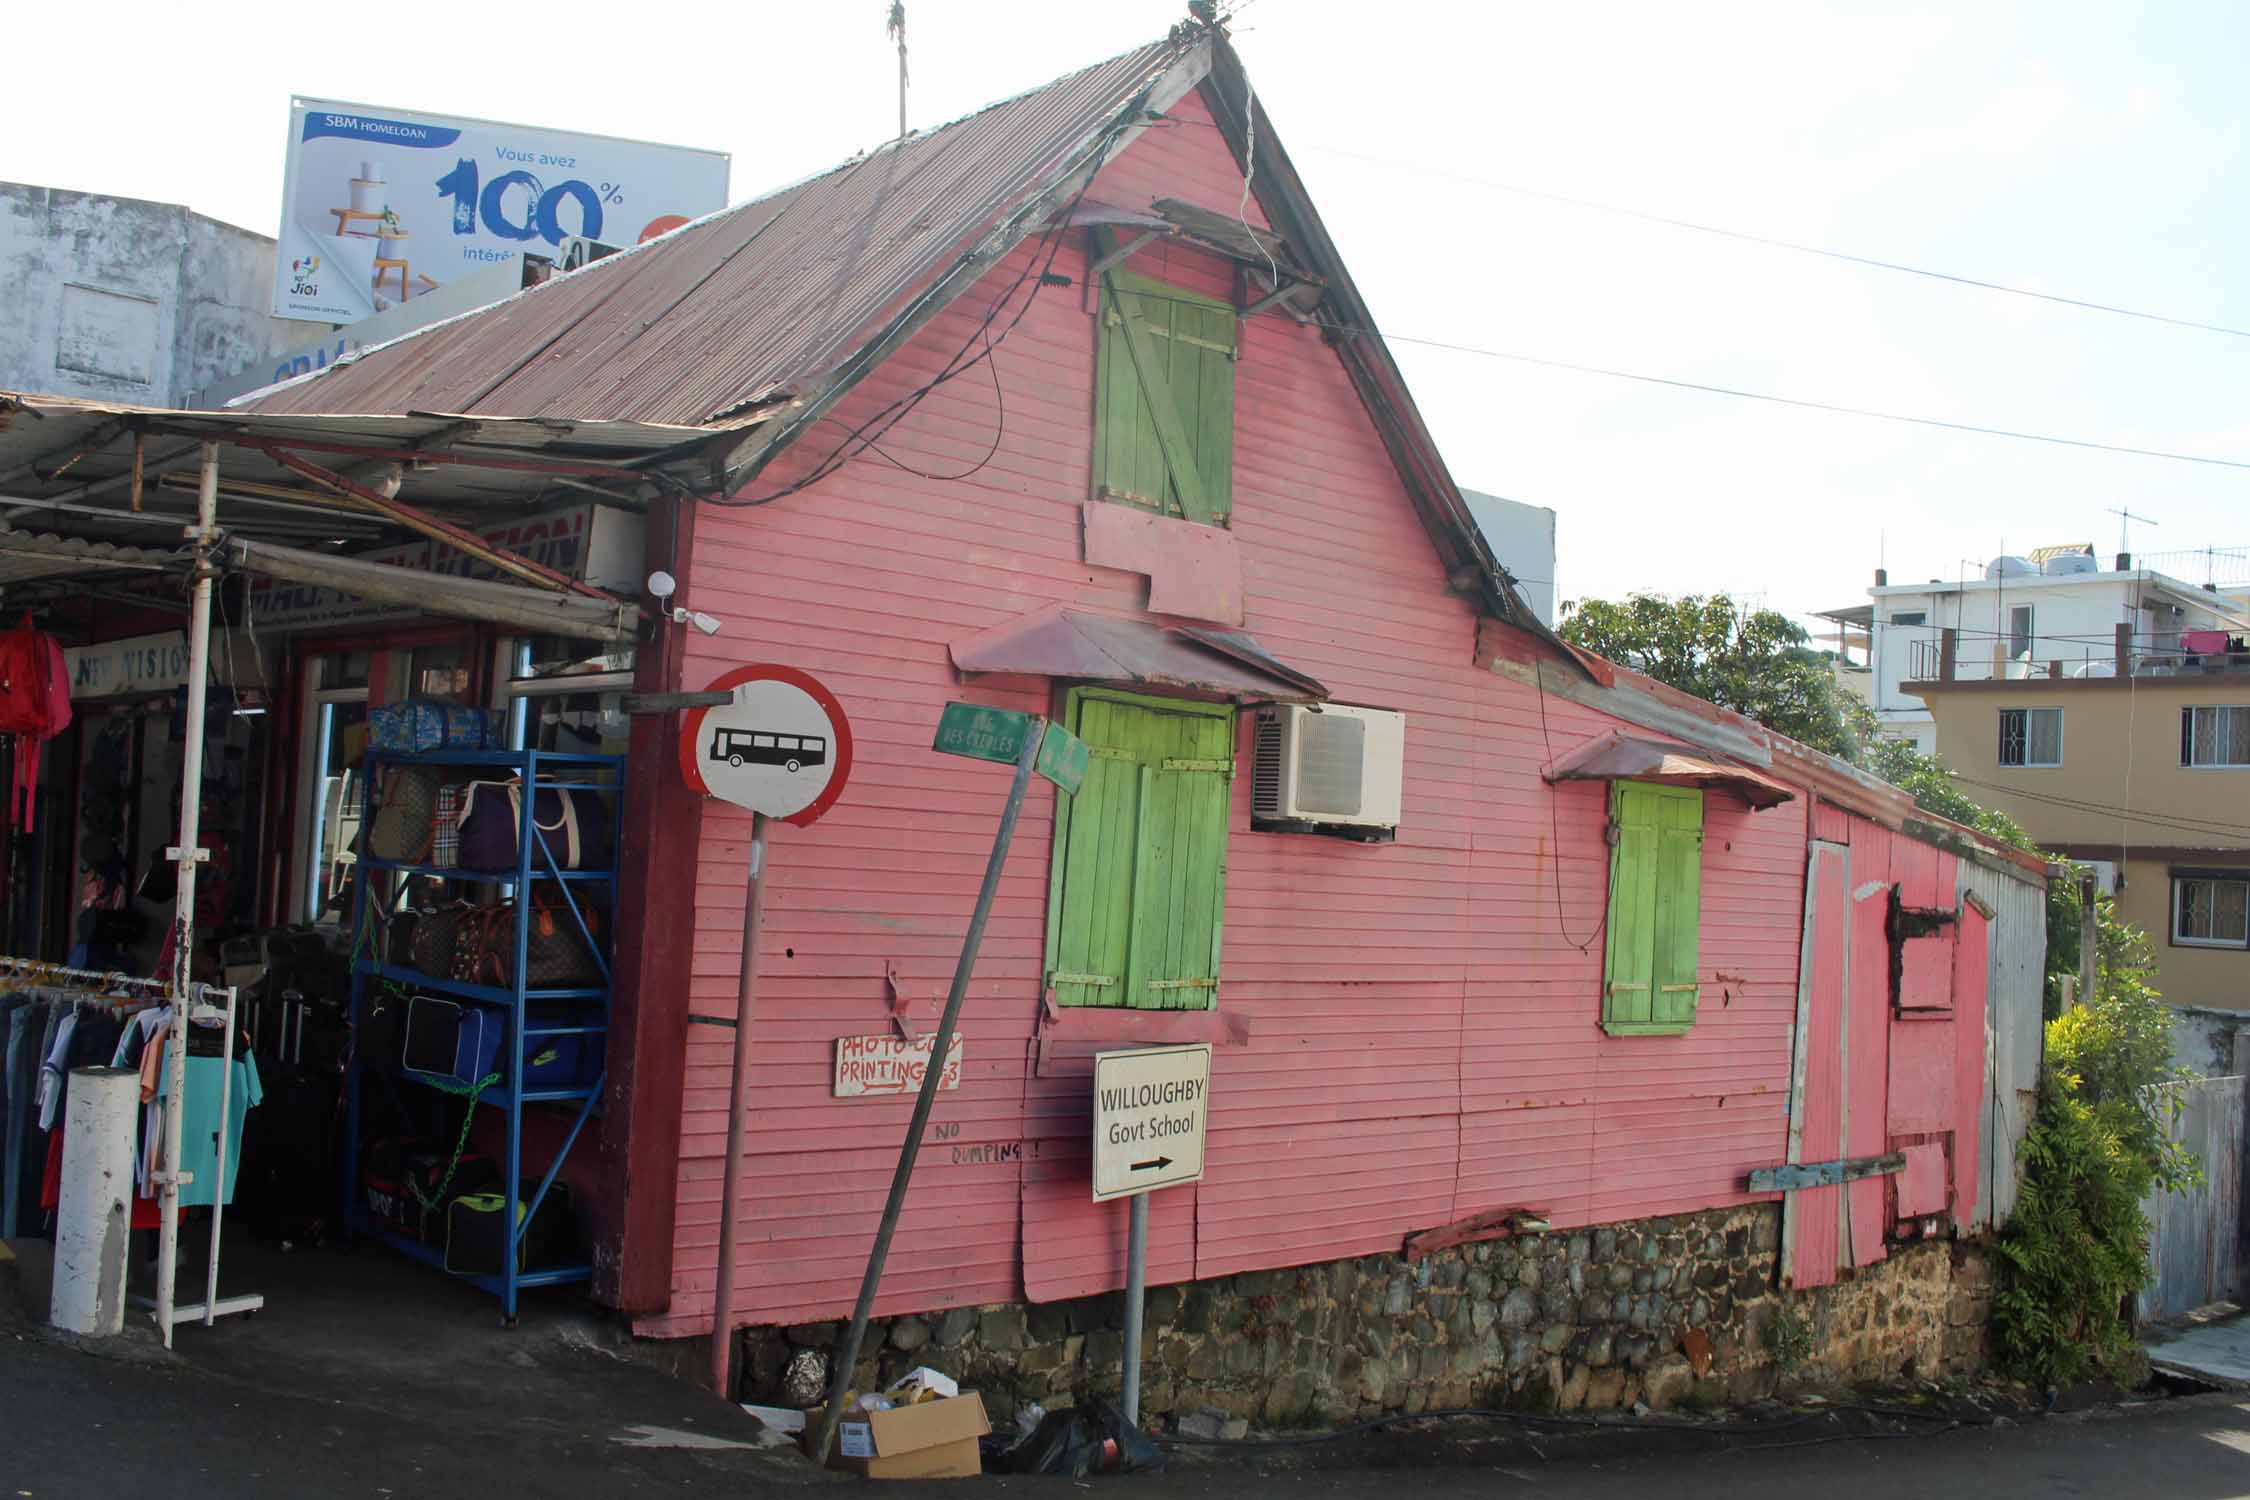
point(1327, 765)
point(576, 251)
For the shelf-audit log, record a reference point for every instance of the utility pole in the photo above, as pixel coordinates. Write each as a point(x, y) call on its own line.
point(895, 28)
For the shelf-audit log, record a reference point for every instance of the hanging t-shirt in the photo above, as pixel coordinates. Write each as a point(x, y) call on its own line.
point(199, 1124)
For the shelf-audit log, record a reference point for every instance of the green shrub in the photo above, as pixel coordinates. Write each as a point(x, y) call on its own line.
point(2077, 1247)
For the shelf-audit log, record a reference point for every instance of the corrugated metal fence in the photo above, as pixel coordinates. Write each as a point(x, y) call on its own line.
point(2195, 1252)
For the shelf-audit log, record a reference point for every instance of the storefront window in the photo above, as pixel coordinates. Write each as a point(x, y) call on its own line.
point(568, 695)
point(335, 744)
point(440, 674)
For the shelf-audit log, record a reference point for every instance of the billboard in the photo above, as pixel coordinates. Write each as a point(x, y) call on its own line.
point(382, 206)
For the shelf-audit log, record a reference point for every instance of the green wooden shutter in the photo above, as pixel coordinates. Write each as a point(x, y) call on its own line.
point(1655, 909)
point(1140, 867)
point(1164, 399)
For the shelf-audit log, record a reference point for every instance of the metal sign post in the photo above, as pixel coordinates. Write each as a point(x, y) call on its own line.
point(1151, 1106)
point(778, 744)
point(981, 734)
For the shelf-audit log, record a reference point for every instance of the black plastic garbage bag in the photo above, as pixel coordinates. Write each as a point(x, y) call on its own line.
point(1085, 1440)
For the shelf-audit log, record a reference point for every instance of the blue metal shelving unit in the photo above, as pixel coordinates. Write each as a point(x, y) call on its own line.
point(587, 1007)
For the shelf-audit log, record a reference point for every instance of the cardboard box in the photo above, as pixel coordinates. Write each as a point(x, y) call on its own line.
point(930, 1440)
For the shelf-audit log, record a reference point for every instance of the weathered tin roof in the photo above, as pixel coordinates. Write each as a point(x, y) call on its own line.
point(1618, 756)
point(750, 303)
point(1078, 644)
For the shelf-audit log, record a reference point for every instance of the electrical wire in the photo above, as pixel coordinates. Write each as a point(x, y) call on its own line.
point(1554, 826)
point(2074, 804)
point(1875, 262)
point(1945, 1421)
point(896, 411)
point(1707, 388)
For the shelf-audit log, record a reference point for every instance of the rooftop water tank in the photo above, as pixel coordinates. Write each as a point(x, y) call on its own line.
point(2011, 566)
point(2069, 564)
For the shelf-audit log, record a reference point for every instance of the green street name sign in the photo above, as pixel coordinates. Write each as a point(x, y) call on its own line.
point(1063, 758)
point(997, 734)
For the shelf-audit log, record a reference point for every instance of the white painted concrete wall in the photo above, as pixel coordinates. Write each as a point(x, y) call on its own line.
point(1523, 538)
point(116, 299)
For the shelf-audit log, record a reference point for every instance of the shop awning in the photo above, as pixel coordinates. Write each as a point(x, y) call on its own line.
point(1617, 756)
point(1088, 647)
point(573, 615)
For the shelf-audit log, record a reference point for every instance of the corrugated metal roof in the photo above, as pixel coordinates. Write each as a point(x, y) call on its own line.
point(751, 302)
point(1618, 756)
point(1074, 644)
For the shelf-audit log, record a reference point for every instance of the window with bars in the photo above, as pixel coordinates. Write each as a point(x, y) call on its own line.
point(2031, 736)
point(2215, 736)
point(2211, 909)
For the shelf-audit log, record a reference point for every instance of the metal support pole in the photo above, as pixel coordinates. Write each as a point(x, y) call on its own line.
point(2086, 937)
point(738, 1105)
point(1136, 1284)
point(94, 1211)
point(839, 1381)
point(188, 851)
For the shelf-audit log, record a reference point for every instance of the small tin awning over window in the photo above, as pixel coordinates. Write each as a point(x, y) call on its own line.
point(1618, 756)
point(1127, 652)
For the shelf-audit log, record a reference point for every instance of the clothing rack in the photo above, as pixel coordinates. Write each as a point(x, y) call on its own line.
point(206, 1003)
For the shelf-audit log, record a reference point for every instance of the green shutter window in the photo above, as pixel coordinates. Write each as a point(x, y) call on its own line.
point(1140, 855)
point(1164, 399)
point(1655, 909)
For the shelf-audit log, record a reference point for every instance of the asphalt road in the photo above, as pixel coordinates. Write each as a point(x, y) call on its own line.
point(73, 1424)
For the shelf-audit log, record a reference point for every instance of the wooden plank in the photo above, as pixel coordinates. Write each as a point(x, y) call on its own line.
point(1492, 1224)
point(1188, 484)
point(664, 703)
point(1793, 1176)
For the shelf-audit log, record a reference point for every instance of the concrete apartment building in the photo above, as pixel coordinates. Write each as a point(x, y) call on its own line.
point(2054, 611)
point(2137, 761)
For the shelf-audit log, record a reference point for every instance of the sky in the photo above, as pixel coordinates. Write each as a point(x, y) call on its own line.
point(2083, 150)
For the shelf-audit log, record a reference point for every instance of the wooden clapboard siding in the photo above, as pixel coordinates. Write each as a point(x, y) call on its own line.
point(1425, 1038)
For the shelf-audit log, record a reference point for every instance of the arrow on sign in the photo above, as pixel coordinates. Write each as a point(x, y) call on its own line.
point(1159, 1164)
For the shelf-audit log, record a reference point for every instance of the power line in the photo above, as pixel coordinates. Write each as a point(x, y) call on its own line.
point(1876, 262)
point(1835, 408)
point(2190, 825)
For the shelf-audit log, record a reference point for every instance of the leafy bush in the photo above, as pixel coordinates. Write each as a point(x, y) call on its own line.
point(2077, 1247)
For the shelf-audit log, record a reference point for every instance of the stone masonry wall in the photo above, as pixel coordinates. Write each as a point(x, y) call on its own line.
point(1673, 1311)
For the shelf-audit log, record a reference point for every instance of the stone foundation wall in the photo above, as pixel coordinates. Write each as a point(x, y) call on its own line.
point(1674, 1311)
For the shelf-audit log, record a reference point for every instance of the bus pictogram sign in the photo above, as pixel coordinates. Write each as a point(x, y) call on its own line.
point(782, 747)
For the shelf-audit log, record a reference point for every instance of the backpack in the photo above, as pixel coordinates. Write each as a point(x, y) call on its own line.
point(34, 706)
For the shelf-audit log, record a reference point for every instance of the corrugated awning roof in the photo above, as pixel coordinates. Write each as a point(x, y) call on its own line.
point(1617, 756)
point(1085, 647)
point(573, 615)
point(28, 556)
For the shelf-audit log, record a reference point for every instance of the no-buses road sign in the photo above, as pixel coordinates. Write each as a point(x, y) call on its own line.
point(783, 746)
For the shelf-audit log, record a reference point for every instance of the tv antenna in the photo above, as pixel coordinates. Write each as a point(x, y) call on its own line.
point(2126, 518)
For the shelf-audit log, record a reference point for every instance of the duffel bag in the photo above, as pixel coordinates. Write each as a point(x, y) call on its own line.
point(451, 1041)
point(572, 822)
point(476, 1232)
point(419, 725)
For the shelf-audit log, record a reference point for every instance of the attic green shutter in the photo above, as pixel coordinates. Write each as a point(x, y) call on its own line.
point(1655, 909)
point(1164, 399)
point(1140, 866)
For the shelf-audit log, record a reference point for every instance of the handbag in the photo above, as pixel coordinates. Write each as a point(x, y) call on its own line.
point(571, 822)
point(429, 943)
point(406, 818)
point(556, 954)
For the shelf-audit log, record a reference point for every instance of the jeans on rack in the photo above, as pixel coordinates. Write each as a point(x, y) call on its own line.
point(19, 1181)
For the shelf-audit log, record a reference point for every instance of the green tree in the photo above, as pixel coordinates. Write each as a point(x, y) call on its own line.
point(1755, 661)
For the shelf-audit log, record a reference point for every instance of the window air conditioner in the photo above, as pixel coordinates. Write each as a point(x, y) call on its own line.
point(1327, 765)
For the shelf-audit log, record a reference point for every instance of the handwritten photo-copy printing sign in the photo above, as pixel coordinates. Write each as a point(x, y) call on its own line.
point(890, 1065)
point(380, 206)
point(1150, 1108)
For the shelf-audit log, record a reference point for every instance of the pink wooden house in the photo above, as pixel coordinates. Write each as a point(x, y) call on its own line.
point(1021, 411)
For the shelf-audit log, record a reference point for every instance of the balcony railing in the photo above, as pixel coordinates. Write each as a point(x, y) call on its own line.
point(2184, 653)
